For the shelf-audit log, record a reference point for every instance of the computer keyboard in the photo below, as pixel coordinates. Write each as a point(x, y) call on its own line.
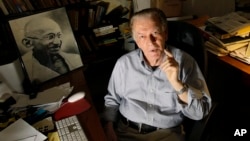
point(69, 129)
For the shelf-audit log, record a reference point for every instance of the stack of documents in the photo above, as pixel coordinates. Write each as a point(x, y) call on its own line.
point(229, 25)
point(227, 33)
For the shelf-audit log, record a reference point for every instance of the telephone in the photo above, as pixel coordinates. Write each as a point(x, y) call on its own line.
point(74, 105)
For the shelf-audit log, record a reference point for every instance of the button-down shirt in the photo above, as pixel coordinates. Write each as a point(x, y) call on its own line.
point(145, 95)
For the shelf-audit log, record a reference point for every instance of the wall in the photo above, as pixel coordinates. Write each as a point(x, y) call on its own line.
point(196, 7)
point(208, 7)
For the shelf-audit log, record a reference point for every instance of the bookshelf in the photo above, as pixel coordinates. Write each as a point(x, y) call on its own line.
point(84, 16)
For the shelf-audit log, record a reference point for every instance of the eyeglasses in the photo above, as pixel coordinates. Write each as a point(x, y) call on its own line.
point(48, 37)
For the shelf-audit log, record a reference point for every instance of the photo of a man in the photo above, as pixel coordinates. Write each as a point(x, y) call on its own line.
point(45, 50)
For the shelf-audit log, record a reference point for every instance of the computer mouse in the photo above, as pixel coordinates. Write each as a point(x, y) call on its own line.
point(75, 97)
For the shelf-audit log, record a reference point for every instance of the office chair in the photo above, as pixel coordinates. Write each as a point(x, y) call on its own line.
point(188, 38)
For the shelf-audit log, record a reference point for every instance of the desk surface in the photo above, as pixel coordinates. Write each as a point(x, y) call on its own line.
point(89, 119)
point(235, 63)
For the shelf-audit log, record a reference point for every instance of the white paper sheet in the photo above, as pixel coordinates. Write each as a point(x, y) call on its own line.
point(21, 131)
point(51, 95)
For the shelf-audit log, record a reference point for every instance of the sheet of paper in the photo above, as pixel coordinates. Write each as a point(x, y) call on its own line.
point(52, 95)
point(248, 50)
point(48, 96)
point(21, 131)
point(4, 89)
point(240, 54)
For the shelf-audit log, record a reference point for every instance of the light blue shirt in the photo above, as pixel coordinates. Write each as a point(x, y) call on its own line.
point(144, 95)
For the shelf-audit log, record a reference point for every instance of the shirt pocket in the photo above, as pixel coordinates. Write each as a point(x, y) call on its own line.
point(167, 100)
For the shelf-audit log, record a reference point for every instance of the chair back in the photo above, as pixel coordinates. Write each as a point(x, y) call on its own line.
point(188, 38)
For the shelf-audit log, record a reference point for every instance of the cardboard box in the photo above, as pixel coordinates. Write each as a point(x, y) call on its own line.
point(142, 4)
point(172, 8)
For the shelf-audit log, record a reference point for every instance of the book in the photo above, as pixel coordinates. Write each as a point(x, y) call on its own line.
point(83, 18)
point(101, 9)
point(3, 7)
point(64, 2)
point(86, 43)
point(73, 15)
point(10, 6)
point(29, 5)
point(103, 28)
point(232, 23)
point(20, 5)
point(93, 42)
point(105, 32)
point(91, 18)
point(107, 41)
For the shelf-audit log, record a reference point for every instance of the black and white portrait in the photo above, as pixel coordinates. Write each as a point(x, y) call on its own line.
point(46, 44)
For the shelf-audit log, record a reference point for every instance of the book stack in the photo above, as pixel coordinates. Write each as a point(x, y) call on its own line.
point(227, 34)
point(104, 30)
point(106, 35)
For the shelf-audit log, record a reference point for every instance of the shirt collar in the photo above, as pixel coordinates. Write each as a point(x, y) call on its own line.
point(142, 60)
point(141, 57)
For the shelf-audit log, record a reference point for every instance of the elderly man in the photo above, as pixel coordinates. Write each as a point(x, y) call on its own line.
point(154, 87)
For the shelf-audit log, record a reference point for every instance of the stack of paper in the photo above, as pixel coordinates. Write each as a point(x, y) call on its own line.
point(104, 30)
point(233, 23)
point(222, 47)
point(226, 33)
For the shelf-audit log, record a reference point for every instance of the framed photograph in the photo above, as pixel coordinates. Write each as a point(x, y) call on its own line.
point(46, 44)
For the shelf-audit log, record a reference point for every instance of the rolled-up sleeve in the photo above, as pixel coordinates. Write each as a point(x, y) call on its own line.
point(112, 99)
point(199, 99)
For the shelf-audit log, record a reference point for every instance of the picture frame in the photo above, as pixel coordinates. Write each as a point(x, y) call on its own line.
point(46, 44)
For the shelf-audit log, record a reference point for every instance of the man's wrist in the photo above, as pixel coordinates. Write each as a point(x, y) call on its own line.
point(182, 90)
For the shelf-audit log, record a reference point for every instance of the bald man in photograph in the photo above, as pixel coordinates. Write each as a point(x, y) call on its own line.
point(46, 60)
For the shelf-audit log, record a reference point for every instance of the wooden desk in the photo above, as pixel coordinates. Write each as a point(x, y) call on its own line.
point(235, 63)
point(89, 119)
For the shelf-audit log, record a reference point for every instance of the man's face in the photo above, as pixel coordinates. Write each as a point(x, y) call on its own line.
point(149, 37)
point(45, 37)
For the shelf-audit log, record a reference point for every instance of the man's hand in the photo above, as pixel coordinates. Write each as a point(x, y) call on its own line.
point(109, 131)
point(170, 67)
